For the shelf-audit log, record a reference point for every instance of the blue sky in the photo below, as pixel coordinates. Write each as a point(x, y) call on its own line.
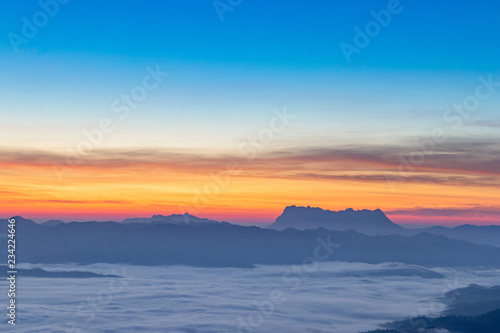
point(227, 76)
point(271, 37)
point(282, 34)
point(96, 49)
point(263, 55)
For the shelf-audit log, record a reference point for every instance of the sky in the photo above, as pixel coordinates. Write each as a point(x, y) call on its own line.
point(233, 109)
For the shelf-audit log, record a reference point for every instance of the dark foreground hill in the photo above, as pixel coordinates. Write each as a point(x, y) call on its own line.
point(485, 323)
point(41, 273)
point(227, 245)
point(472, 300)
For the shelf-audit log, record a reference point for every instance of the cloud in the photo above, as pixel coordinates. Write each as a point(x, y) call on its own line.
point(455, 162)
point(492, 124)
point(473, 212)
point(114, 202)
point(197, 300)
point(418, 179)
point(455, 156)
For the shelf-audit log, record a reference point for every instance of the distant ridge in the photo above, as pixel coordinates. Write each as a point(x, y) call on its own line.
point(52, 223)
point(227, 245)
point(38, 272)
point(369, 222)
point(177, 219)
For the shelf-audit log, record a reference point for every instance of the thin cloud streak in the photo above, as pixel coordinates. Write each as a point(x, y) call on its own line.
point(462, 157)
point(472, 212)
point(420, 179)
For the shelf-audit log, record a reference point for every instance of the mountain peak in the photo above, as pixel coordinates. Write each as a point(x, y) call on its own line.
point(179, 219)
point(371, 222)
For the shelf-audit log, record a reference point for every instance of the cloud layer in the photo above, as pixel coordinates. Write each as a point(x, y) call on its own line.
point(457, 178)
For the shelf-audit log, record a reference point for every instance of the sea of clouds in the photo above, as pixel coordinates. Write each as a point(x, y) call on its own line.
point(314, 299)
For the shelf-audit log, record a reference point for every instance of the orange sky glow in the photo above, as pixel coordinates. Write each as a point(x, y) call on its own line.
point(249, 191)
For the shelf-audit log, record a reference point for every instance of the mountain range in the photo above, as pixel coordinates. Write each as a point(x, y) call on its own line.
point(368, 222)
point(208, 243)
point(178, 219)
point(375, 222)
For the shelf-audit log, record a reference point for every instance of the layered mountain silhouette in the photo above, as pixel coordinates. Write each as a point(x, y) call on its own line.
point(369, 222)
point(226, 245)
point(375, 222)
point(489, 235)
point(178, 219)
point(53, 223)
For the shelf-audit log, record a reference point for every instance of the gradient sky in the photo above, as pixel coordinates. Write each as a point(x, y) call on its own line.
point(355, 125)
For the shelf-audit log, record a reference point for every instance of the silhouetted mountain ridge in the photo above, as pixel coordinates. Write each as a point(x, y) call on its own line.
point(477, 234)
point(302, 218)
point(52, 223)
point(227, 245)
point(179, 219)
point(369, 222)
